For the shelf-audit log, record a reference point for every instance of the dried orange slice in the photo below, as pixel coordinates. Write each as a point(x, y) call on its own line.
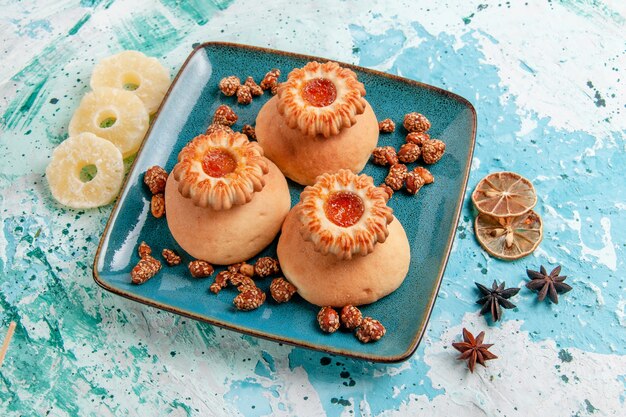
point(509, 238)
point(504, 194)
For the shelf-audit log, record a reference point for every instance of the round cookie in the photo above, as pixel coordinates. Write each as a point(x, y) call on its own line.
point(302, 158)
point(326, 280)
point(225, 237)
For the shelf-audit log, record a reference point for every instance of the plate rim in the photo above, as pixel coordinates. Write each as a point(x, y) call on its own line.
point(268, 336)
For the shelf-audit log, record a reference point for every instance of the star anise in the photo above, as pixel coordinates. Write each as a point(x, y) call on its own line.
point(547, 284)
point(495, 298)
point(473, 350)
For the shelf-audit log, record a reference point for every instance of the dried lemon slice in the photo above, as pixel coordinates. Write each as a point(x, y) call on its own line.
point(504, 194)
point(68, 161)
point(133, 71)
point(113, 114)
point(509, 238)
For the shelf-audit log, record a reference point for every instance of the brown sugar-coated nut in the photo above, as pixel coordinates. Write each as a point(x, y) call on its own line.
point(157, 205)
point(425, 174)
point(155, 178)
point(413, 182)
point(238, 279)
point(417, 138)
point(255, 89)
point(328, 319)
point(409, 152)
point(274, 89)
point(386, 126)
point(242, 268)
point(249, 299)
point(351, 317)
point(224, 115)
point(249, 131)
point(229, 85)
point(266, 266)
point(200, 269)
point(145, 269)
point(282, 290)
point(270, 80)
point(244, 95)
point(432, 151)
point(221, 281)
point(370, 330)
point(395, 178)
point(144, 250)
point(384, 155)
point(218, 128)
point(171, 257)
point(388, 190)
point(416, 122)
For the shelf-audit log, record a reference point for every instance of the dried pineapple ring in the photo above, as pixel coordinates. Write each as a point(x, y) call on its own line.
point(76, 153)
point(112, 114)
point(133, 71)
point(509, 238)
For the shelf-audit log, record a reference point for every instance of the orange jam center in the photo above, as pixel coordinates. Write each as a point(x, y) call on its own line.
point(218, 163)
point(344, 208)
point(319, 92)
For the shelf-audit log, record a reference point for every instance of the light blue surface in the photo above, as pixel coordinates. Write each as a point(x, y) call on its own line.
point(547, 82)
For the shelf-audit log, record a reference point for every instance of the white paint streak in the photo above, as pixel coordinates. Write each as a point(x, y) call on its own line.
point(509, 386)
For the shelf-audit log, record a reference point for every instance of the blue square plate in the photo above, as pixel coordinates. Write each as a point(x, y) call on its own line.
point(430, 218)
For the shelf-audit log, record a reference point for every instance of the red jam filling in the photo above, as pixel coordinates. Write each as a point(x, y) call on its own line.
point(218, 163)
point(344, 208)
point(319, 92)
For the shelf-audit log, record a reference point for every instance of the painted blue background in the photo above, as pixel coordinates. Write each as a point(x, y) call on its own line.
point(546, 79)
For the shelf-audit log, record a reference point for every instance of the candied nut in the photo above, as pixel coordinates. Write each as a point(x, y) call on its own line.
point(224, 115)
point(249, 131)
point(417, 138)
point(274, 89)
point(266, 266)
point(370, 330)
point(395, 178)
point(244, 95)
point(351, 317)
point(144, 250)
point(171, 257)
point(282, 290)
point(425, 174)
point(245, 284)
point(386, 126)
point(270, 80)
point(416, 122)
point(155, 178)
point(218, 128)
point(247, 270)
point(413, 182)
point(157, 205)
point(249, 299)
point(238, 279)
point(328, 319)
point(255, 89)
point(229, 85)
point(145, 269)
point(387, 190)
point(200, 269)
point(221, 281)
point(242, 268)
point(384, 155)
point(409, 152)
point(432, 151)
